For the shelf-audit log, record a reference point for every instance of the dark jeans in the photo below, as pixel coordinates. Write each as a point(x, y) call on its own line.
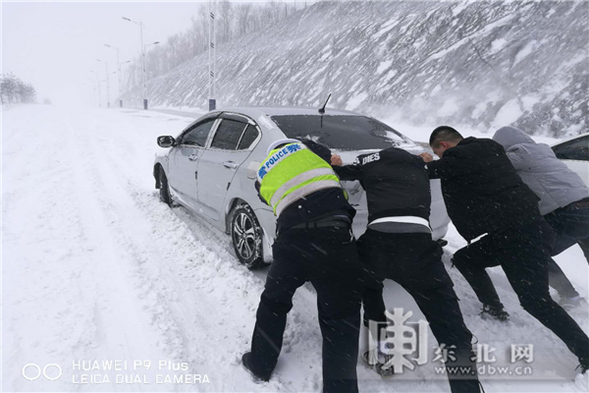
point(584, 244)
point(414, 261)
point(523, 253)
point(559, 281)
point(571, 224)
point(328, 258)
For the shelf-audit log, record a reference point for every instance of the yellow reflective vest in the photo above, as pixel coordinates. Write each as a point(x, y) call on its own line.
point(292, 172)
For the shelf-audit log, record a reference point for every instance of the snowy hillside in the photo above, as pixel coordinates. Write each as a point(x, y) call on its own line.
point(481, 64)
point(96, 269)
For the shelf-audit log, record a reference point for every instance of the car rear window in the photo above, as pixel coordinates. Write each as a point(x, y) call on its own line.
point(577, 149)
point(341, 132)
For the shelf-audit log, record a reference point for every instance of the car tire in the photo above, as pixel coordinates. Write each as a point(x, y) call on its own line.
point(247, 236)
point(165, 195)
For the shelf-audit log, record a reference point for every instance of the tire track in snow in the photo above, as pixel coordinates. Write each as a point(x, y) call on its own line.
point(129, 319)
point(147, 276)
point(182, 241)
point(43, 261)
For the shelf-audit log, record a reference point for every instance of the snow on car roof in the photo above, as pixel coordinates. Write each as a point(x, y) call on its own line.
point(256, 111)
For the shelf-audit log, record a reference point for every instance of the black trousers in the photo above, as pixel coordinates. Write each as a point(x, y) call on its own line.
point(328, 258)
point(571, 225)
point(414, 261)
point(524, 254)
point(559, 281)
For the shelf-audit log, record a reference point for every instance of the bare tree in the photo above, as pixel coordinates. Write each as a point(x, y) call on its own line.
point(233, 20)
point(243, 14)
point(14, 90)
point(225, 16)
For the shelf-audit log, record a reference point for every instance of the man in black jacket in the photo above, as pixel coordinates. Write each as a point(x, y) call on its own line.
point(486, 198)
point(398, 245)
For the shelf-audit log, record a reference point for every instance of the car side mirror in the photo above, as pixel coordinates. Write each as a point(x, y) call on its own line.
point(165, 141)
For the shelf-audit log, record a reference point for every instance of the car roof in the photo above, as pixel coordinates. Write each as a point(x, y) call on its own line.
point(570, 139)
point(256, 111)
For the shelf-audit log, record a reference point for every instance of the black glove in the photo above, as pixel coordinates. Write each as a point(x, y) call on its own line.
point(257, 185)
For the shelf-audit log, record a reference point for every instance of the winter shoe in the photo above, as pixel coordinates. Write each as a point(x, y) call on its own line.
point(442, 242)
point(584, 366)
point(378, 362)
point(497, 313)
point(246, 361)
point(376, 357)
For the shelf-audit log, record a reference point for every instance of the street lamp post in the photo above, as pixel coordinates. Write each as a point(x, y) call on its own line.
point(140, 24)
point(118, 72)
point(98, 85)
point(145, 50)
point(213, 54)
point(123, 78)
point(93, 90)
point(145, 70)
point(107, 82)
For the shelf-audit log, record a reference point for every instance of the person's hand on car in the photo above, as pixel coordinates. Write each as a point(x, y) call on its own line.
point(427, 157)
point(336, 160)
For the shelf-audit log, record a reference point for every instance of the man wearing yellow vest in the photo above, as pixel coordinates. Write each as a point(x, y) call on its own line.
point(314, 243)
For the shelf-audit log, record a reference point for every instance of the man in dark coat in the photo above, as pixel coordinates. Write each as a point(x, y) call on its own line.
point(486, 198)
point(398, 245)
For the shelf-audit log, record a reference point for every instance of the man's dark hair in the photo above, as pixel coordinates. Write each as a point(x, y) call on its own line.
point(444, 133)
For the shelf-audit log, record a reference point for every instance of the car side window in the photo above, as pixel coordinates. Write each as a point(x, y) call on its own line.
point(577, 149)
point(249, 136)
point(228, 134)
point(198, 135)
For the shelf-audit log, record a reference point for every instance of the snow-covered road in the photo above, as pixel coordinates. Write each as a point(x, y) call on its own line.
point(95, 268)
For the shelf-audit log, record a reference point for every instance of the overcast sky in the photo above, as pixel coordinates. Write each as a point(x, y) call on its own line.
point(54, 45)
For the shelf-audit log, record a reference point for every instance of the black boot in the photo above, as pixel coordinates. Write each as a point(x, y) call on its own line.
point(584, 365)
point(375, 358)
point(246, 359)
point(494, 312)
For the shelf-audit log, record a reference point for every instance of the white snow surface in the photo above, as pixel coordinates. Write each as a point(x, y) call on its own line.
point(96, 268)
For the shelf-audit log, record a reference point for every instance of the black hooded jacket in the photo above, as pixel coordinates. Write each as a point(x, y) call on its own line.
point(482, 191)
point(396, 183)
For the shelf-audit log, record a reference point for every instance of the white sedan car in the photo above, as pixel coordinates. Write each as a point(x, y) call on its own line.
point(575, 153)
point(210, 167)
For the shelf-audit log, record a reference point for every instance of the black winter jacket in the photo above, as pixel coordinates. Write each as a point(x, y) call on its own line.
point(396, 183)
point(482, 191)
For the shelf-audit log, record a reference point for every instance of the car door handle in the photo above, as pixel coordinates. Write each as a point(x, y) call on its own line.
point(230, 164)
point(193, 157)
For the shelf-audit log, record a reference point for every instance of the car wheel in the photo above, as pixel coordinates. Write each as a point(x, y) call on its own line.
point(165, 195)
point(246, 236)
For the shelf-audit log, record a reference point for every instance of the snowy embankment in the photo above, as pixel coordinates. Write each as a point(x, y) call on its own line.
point(95, 268)
point(483, 63)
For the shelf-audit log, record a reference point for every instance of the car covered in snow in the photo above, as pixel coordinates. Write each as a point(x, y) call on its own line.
point(210, 167)
point(575, 153)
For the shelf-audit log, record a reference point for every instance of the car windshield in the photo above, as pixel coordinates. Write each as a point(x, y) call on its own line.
point(341, 132)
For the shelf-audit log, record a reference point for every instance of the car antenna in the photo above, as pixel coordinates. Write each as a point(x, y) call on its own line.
point(322, 109)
